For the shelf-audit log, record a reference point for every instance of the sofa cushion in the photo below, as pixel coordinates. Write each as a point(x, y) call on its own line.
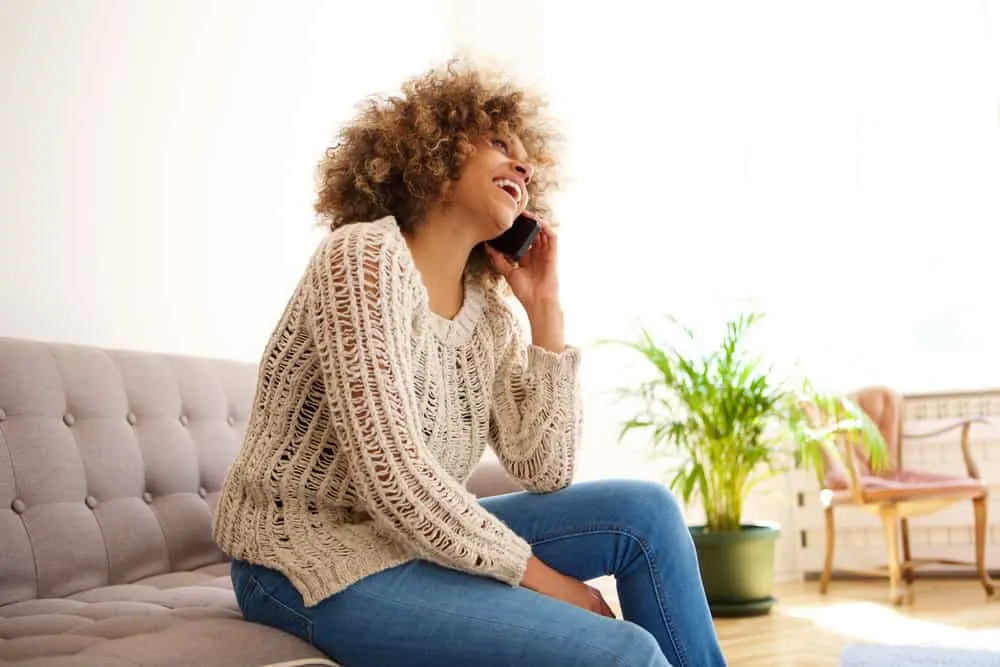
point(171, 620)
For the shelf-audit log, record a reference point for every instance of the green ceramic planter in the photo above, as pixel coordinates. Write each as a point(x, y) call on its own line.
point(737, 568)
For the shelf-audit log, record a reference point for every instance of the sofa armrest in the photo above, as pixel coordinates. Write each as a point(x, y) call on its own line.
point(490, 479)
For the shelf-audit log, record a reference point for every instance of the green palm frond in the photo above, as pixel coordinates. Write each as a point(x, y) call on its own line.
point(719, 410)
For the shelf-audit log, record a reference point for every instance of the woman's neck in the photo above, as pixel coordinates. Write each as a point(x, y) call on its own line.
point(441, 253)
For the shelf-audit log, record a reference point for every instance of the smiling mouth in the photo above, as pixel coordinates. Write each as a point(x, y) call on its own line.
point(512, 188)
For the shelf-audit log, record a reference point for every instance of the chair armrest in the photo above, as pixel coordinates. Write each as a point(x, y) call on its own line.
point(965, 425)
point(961, 423)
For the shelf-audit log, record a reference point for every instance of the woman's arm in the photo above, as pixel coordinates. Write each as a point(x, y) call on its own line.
point(535, 419)
point(361, 302)
point(536, 413)
point(547, 332)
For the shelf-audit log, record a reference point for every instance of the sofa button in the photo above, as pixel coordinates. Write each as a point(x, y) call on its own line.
point(202, 492)
point(3, 415)
point(131, 418)
point(230, 420)
point(68, 419)
point(18, 506)
point(147, 497)
point(184, 420)
point(91, 502)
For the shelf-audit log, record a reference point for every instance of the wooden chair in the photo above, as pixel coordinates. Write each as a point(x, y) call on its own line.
point(897, 494)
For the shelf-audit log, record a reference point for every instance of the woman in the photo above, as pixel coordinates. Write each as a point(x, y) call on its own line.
point(395, 362)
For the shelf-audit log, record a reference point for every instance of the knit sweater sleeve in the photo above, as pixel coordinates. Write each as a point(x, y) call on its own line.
point(361, 305)
point(536, 413)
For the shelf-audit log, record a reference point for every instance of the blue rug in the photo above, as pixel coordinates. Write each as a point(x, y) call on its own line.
point(917, 656)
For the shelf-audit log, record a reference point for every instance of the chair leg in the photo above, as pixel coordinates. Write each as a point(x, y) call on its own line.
point(904, 532)
point(890, 523)
point(831, 534)
point(979, 506)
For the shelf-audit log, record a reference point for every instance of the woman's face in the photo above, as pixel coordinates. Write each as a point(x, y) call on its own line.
point(492, 187)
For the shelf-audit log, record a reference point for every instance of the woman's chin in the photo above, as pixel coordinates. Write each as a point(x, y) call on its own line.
point(501, 225)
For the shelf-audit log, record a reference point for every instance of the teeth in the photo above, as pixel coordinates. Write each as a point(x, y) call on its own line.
point(506, 182)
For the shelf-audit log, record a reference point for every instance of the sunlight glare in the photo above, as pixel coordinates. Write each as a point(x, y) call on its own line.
point(871, 622)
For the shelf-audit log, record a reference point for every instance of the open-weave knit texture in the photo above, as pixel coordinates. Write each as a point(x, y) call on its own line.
point(371, 412)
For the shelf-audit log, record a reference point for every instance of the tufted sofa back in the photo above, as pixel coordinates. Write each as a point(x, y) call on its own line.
point(111, 463)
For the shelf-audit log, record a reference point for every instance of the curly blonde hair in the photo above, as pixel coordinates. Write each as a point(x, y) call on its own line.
point(399, 152)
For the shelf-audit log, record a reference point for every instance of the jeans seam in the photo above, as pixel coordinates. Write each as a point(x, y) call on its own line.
point(601, 649)
point(244, 592)
point(654, 571)
point(270, 596)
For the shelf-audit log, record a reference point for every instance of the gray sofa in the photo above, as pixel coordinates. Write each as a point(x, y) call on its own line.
point(110, 465)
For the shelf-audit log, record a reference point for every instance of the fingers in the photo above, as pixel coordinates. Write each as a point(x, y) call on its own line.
point(549, 234)
point(543, 249)
point(604, 610)
point(500, 262)
point(602, 605)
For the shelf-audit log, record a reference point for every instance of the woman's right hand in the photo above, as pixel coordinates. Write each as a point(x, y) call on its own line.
point(543, 579)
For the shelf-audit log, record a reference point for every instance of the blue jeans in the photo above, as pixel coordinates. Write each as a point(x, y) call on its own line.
point(423, 614)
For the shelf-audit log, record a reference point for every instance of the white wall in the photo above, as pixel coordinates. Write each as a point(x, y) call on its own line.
point(157, 158)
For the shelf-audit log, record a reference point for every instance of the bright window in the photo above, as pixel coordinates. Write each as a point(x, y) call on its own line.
point(837, 164)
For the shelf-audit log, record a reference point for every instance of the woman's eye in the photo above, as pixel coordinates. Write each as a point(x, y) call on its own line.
point(501, 145)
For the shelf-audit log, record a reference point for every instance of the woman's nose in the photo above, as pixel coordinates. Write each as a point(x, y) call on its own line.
point(526, 170)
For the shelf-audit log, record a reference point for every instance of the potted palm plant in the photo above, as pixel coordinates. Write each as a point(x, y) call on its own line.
point(735, 424)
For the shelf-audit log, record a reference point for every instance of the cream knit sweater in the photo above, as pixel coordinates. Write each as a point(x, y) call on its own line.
point(371, 412)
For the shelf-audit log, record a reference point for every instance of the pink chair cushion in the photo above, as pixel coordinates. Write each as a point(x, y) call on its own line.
point(920, 483)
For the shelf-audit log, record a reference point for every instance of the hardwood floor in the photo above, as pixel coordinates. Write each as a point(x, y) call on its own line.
point(806, 629)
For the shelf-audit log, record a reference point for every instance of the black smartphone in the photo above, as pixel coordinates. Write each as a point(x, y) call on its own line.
point(518, 239)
